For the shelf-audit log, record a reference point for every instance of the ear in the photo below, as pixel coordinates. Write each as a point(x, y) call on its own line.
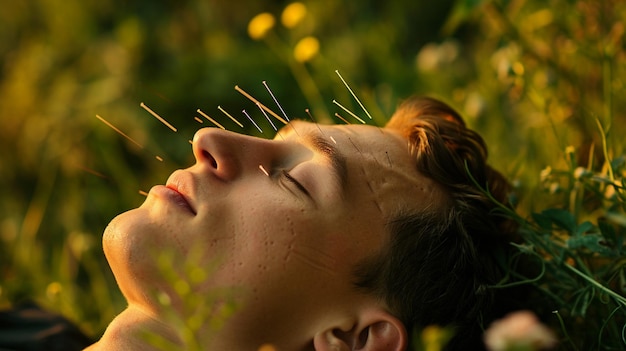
point(374, 330)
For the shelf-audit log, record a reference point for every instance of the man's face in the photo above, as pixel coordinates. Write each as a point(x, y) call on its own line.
point(284, 220)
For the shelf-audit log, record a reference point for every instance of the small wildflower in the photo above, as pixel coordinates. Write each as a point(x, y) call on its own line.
point(611, 190)
point(260, 25)
point(306, 49)
point(545, 173)
point(53, 290)
point(580, 172)
point(554, 188)
point(570, 150)
point(434, 338)
point(293, 14)
point(518, 331)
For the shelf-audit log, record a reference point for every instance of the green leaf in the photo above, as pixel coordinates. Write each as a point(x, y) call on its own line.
point(542, 221)
point(461, 12)
point(583, 228)
point(617, 218)
point(558, 217)
point(608, 232)
point(583, 300)
point(592, 242)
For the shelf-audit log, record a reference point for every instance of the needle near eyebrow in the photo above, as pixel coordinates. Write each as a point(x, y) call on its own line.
point(257, 102)
point(275, 100)
point(267, 117)
point(251, 120)
point(341, 118)
point(350, 112)
point(353, 94)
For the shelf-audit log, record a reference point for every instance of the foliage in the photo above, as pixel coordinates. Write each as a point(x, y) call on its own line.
point(541, 81)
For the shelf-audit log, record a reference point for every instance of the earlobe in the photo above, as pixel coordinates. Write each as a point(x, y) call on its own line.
point(376, 330)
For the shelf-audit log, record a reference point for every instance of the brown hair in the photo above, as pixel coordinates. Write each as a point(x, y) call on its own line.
point(440, 262)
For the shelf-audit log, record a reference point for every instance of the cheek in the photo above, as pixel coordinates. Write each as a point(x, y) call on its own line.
point(264, 230)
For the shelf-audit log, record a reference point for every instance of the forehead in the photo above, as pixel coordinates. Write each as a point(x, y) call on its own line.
point(381, 171)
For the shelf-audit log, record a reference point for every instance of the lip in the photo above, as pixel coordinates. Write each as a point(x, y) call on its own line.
point(178, 190)
point(173, 195)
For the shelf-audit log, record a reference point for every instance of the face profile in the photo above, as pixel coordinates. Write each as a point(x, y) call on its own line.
point(288, 218)
point(311, 232)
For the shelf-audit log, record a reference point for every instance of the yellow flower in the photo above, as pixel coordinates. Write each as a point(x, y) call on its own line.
point(267, 347)
point(293, 14)
point(306, 49)
point(434, 338)
point(260, 25)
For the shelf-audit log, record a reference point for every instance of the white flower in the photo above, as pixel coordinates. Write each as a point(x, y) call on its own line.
point(518, 331)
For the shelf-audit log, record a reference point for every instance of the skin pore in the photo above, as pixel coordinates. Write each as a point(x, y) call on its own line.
point(283, 223)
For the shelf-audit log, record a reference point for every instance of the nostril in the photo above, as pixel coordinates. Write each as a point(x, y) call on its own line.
point(209, 158)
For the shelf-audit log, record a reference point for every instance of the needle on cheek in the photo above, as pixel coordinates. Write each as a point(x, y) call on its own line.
point(264, 170)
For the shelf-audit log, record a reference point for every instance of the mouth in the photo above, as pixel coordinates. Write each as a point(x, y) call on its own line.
point(179, 189)
point(179, 198)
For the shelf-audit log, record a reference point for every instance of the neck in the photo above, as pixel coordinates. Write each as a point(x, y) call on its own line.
point(133, 329)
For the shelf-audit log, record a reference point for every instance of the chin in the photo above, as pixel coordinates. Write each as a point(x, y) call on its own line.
point(128, 242)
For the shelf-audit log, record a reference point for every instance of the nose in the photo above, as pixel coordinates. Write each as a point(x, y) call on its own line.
point(228, 155)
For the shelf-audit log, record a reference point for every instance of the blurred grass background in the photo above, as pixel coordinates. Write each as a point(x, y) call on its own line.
point(533, 76)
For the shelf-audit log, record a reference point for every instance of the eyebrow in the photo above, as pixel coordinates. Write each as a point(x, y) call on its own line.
point(331, 152)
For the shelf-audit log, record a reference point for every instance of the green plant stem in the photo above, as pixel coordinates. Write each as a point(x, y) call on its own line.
point(567, 337)
point(604, 289)
point(605, 324)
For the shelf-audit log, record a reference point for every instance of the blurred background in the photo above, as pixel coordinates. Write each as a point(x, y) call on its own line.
point(533, 76)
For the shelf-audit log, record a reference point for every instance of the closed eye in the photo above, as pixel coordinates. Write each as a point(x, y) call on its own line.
point(293, 180)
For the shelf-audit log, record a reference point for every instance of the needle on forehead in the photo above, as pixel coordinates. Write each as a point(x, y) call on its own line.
point(251, 120)
point(229, 116)
point(350, 112)
point(275, 100)
point(251, 98)
point(167, 124)
point(266, 116)
point(198, 119)
point(210, 119)
point(353, 94)
point(341, 118)
point(308, 112)
point(141, 192)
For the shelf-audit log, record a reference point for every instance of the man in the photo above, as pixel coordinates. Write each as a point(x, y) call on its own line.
point(340, 237)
